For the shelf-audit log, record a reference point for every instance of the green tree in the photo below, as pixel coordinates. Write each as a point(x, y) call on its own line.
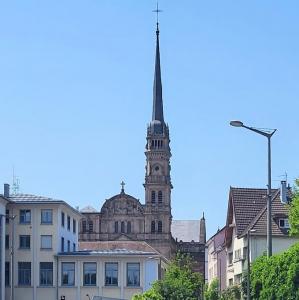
point(294, 210)
point(276, 277)
point(212, 290)
point(179, 282)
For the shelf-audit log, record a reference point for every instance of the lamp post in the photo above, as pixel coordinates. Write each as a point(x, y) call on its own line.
point(248, 263)
point(268, 134)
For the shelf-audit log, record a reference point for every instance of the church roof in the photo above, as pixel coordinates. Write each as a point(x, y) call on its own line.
point(186, 230)
point(88, 209)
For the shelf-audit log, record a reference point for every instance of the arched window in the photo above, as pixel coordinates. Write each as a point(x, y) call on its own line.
point(122, 227)
point(129, 227)
point(116, 227)
point(153, 227)
point(160, 227)
point(153, 197)
point(84, 226)
point(160, 197)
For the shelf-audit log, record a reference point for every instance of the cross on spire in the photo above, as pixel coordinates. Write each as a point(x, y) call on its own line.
point(157, 11)
point(122, 187)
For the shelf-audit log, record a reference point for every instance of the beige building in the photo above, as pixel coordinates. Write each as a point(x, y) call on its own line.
point(247, 212)
point(42, 227)
point(112, 274)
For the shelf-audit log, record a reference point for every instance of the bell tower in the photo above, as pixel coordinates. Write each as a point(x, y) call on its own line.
point(157, 176)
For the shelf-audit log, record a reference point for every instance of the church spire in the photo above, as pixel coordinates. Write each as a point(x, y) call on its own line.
point(157, 90)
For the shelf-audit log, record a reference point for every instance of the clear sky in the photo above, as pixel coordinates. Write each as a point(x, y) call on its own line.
point(76, 95)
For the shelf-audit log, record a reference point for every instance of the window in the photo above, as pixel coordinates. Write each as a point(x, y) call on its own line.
point(7, 273)
point(89, 274)
point(46, 216)
point(160, 196)
point(230, 282)
point(133, 274)
point(24, 273)
point(122, 227)
point(46, 273)
point(62, 244)
point(46, 242)
point(90, 226)
point(153, 227)
point(68, 223)
point(24, 241)
point(62, 219)
point(68, 274)
point(68, 246)
point(74, 247)
point(129, 227)
point(230, 258)
point(25, 216)
point(111, 274)
point(116, 227)
point(284, 223)
point(238, 278)
point(6, 241)
point(84, 226)
point(153, 197)
point(7, 214)
point(74, 226)
point(160, 227)
point(238, 254)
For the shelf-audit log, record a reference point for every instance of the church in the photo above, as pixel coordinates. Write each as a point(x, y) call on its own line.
point(124, 218)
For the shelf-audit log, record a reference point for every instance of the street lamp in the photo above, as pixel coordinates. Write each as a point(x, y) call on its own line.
point(268, 134)
point(248, 263)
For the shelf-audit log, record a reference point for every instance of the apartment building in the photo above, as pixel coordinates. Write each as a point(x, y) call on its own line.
point(216, 253)
point(247, 219)
point(39, 228)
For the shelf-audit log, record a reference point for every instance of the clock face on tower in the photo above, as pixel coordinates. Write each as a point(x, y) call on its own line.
point(157, 169)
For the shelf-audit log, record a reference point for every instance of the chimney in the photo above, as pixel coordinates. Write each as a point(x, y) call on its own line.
point(6, 190)
point(202, 232)
point(284, 192)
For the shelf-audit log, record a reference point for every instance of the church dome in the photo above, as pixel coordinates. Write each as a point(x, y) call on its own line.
point(122, 204)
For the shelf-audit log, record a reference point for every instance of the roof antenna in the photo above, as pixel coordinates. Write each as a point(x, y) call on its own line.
point(15, 182)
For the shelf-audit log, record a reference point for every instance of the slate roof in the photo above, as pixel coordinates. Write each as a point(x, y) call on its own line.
point(186, 230)
point(34, 199)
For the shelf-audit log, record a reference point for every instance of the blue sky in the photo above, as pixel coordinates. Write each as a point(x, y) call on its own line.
point(76, 96)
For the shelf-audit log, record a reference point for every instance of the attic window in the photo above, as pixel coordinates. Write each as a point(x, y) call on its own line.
point(284, 223)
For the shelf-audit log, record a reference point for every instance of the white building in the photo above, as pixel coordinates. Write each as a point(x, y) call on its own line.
point(247, 212)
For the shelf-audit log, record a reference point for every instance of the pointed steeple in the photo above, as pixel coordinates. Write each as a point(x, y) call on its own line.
point(157, 91)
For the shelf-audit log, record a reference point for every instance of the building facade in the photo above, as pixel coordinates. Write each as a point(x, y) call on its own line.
point(125, 217)
point(247, 219)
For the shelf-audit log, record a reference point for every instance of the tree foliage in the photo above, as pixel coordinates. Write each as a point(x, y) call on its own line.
point(179, 283)
point(212, 290)
point(277, 277)
point(294, 210)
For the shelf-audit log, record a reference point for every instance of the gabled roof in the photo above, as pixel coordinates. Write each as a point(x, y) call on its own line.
point(248, 208)
point(186, 230)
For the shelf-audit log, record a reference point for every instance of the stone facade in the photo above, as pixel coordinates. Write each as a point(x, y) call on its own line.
point(123, 217)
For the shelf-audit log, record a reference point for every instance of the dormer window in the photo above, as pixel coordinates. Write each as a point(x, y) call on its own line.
point(284, 223)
